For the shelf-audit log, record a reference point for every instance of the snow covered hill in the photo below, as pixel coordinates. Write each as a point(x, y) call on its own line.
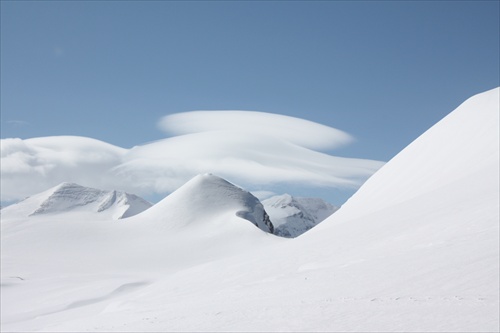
point(292, 216)
point(208, 197)
point(415, 249)
point(464, 144)
point(71, 198)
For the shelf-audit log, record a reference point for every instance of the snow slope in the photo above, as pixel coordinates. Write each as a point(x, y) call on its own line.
point(66, 263)
point(208, 196)
point(69, 197)
point(293, 216)
point(415, 249)
point(463, 144)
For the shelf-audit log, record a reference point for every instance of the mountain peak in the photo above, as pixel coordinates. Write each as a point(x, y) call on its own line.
point(67, 197)
point(210, 196)
point(292, 216)
point(279, 201)
point(64, 185)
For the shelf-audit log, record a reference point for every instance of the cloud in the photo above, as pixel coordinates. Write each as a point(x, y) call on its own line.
point(255, 157)
point(298, 131)
point(242, 157)
point(33, 165)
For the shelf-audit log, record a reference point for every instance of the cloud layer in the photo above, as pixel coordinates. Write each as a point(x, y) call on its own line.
point(33, 165)
point(298, 131)
point(253, 149)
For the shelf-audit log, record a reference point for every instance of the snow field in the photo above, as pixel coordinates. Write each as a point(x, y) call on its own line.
point(415, 249)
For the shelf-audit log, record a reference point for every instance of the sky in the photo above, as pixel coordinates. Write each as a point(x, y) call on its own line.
point(382, 72)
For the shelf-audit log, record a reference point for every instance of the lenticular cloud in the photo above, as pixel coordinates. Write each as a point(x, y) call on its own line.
point(250, 148)
point(298, 131)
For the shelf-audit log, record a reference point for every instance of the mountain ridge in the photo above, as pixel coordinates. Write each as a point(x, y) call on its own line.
point(70, 197)
point(293, 216)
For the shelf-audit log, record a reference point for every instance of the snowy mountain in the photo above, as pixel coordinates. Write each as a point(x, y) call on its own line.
point(208, 197)
point(292, 216)
point(415, 249)
point(71, 198)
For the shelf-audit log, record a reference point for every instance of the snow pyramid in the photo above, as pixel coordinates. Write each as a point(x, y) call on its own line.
point(292, 216)
point(70, 197)
point(208, 198)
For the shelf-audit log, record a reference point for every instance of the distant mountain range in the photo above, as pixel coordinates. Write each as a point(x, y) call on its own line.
point(292, 216)
point(71, 198)
point(281, 215)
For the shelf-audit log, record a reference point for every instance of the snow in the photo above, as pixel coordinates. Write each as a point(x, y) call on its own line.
point(464, 143)
point(70, 197)
point(293, 216)
point(209, 196)
point(415, 249)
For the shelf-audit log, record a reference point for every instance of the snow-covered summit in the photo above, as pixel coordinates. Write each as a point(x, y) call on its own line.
point(292, 216)
point(70, 197)
point(428, 221)
point(463, 145)
point(209, 197)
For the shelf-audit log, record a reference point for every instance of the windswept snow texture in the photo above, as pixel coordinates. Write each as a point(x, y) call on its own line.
point(415, 249)
point(70, 198)
point(293, 216)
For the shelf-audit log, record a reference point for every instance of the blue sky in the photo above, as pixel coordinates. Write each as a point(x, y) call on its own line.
point(384, 72)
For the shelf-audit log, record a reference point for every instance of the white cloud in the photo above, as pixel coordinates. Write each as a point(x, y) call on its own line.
point(255, 157)
point(301, 132)
point(33, 165)
point(241, 157)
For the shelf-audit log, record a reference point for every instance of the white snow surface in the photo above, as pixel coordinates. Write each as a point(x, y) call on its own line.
point(292, 216)
point(212, 198)
point(415, 249)
point(70, 198)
